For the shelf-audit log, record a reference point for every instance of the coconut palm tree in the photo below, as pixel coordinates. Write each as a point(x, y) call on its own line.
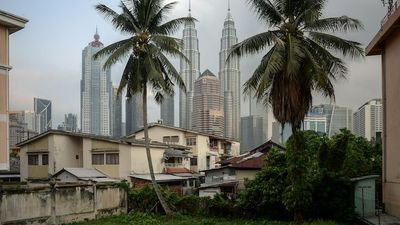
point(300, 57)
point(146, 47)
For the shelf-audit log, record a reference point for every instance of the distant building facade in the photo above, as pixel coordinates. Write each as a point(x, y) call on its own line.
point(134, 113)
point(254, 128)
point(43, 114)
point(251, 133)
point(167, 110)
point(70, 123)
point(116, 116)
point(208, 111)
point(18, 127)
point(229, 75)
point(96, 92)
point(337, 117)
point(368, 121)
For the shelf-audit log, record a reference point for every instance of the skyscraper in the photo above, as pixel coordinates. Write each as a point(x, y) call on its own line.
point(251, 133)
point(253, 128)
point(134, 113)
point(337, 117)
point(368, 120)
point(189, 72)
point(42, 109)
point(229, 76)
point(116, 117)
point(208, 112)
point(96, 92)
point(167, 110)
point(71, 122)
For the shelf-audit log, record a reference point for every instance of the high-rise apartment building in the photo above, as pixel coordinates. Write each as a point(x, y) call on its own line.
point(134, 113)
point(253, 128)
point(229, 76)
point(368, 120)
point(43, 119)
point(251, 133)
point(70, 122)
point(116, 117)
point(30, 119)
point(208, 112)
point(337, 117)
point(189, 72)
point(167, 111)
point(96, 92)
point(18, 127)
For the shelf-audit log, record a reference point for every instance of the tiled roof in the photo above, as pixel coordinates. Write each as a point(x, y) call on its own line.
point(174, 170)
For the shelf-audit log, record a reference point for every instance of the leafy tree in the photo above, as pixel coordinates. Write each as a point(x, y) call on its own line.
point(147, 66)
point(298, 62)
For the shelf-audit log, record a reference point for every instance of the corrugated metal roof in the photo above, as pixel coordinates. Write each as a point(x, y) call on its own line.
point(101, 179)
point(159, 177)
point(85, 173)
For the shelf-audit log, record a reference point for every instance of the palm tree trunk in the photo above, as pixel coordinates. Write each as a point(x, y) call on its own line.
point(297, 174)
point(164, 203)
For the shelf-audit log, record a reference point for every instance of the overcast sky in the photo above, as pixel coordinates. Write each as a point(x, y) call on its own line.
point(46, 55)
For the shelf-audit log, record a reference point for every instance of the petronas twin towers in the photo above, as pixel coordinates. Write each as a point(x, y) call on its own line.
point(229, 76)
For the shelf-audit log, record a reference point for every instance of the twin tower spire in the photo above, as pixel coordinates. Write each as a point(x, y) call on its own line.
point(229, 76)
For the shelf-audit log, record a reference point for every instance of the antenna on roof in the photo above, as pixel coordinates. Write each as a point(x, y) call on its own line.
point(190, 7)
point(229, 5)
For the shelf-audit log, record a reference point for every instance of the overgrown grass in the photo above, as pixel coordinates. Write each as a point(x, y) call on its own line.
point(143, 219)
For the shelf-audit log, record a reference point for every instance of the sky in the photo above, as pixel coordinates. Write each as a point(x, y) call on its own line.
point(47, 63)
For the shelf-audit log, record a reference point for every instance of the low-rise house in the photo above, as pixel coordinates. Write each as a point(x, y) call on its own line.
point(78, 175)
point(234, 171)
point(44, 155)
point(206, 149)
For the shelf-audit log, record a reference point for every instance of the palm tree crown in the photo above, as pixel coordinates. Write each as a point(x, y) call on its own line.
point(300, 58)
point(146, 47)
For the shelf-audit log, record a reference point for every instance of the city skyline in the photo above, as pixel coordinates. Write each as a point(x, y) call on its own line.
point(66, 64)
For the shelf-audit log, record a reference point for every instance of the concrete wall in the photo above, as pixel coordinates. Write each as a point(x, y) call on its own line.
point(62, 204)
point(242, 175)
point(139, 163)
point(391, 133)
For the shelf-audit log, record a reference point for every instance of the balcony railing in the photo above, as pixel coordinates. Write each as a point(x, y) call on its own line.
point(180, 165)
point(394, 8)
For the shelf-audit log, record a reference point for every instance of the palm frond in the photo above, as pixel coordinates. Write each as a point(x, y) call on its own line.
point(254, 44)
point(111, 48)
point(172, 26)
point(334, 24)
point(266, 11)
point(346, 47)
point(170, 69)
point(159, 16)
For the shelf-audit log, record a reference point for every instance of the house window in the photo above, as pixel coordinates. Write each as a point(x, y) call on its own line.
point(45, 159)
point(112, 158)
point(170, 139)
point(191, 141)
point(98, 159)
point(193, 161)
point(33, 160)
